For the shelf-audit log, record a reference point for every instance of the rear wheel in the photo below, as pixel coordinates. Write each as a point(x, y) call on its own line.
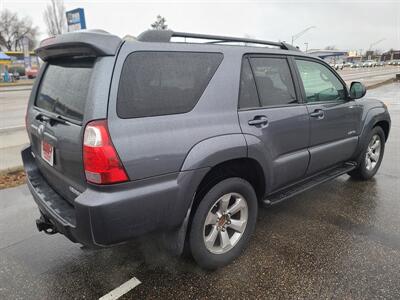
point(223, 223)
point(370, 158)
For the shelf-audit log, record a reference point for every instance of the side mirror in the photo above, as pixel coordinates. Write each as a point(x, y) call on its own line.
point(357, 90)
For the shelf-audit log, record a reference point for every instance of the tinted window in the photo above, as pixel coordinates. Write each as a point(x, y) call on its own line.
point(64, 88)
point(274, 81)
point(248, 93)
point(320, 84)
point(162, 83)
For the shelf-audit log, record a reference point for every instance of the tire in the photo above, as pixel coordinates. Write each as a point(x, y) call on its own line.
point(213, 255)
point(364, 170)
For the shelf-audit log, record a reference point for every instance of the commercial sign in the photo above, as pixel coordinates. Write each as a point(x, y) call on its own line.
point(76, 19)
point(27, 56)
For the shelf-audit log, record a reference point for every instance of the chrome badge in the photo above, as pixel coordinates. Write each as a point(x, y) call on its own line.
point(40, 129)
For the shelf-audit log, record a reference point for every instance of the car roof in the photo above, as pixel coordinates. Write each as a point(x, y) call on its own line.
point(164, 39)
point(101, 43)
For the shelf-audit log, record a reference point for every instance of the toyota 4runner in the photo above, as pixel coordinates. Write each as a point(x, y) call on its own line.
point(187, 135)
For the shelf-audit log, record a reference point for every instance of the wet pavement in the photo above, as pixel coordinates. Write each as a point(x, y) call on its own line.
point(339, 240)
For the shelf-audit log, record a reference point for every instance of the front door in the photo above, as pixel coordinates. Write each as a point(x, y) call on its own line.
point(333, 117)
point(270, 111)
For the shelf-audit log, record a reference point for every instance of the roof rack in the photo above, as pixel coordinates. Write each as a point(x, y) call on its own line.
point(164, 36)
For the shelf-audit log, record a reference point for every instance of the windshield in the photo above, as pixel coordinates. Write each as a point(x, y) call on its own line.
point(64, 88)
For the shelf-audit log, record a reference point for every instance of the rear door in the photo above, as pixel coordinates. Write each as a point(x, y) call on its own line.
point(56, 123)
point(334, 118)
point(269, 108)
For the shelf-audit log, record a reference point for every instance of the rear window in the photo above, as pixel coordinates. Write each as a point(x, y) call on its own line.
point(64, 88)
point(163, 83)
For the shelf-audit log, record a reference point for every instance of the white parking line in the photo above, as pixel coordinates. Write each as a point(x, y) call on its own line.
point(122, 289)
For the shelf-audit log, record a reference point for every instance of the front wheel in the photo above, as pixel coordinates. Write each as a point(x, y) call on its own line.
point(223, 223)
point(370, 158)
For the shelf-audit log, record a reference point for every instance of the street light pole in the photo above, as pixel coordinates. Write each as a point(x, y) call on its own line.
point(306, 47)
point(297, 35)
point(373, 44)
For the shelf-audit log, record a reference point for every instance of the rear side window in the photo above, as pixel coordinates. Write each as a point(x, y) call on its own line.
point(274, 81)
point(64, 87)
point(248, 97)
point(163, 83)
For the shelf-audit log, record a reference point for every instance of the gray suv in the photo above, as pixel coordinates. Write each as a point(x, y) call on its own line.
point(157, 134)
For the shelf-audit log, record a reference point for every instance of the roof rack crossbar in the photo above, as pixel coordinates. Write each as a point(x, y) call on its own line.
point(166, 35)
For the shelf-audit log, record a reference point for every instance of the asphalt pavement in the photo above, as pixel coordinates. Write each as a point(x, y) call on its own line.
point(340, 240)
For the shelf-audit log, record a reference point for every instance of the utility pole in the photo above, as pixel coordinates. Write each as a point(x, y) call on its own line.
point(306, 46)
point(297, 35)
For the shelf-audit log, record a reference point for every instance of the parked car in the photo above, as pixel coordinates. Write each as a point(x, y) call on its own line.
point(394, 62)
point(348, 64)
point(31, 73)
point(356, 65)
point(187, 140)
point(339, 66)
point(369, 64)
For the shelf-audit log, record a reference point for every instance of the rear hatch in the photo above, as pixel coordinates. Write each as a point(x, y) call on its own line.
point(72, 80)
point(56, 124)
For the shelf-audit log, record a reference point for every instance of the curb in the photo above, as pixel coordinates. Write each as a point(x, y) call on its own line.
point(15, 85)
point(379, 84)
point(11, 170)
point(12, 129)
point(15, 89)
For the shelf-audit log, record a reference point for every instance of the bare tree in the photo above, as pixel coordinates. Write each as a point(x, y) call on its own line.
point(54, 17)
point(160, 23)
point(13, 30)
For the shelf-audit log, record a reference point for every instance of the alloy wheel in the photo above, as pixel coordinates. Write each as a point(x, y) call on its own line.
point(373, 153)
point(225, 223)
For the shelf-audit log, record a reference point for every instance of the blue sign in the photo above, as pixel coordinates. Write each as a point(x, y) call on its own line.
point(76, 19)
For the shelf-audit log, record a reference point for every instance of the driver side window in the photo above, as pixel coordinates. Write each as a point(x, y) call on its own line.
point(320, 84)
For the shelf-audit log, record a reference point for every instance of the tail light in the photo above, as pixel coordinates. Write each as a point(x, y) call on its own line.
point(101, 162)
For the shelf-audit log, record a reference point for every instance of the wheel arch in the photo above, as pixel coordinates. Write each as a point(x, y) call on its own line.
point(377, 116)
point(384, 124)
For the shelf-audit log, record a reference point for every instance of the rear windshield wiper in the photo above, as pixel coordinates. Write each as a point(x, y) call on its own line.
point(51, 118)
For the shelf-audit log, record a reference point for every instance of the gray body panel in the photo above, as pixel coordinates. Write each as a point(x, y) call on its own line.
point(333, 138)
point(152, 146)
point(284, 140)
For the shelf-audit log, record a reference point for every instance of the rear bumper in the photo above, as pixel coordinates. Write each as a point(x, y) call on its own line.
point(107, 215)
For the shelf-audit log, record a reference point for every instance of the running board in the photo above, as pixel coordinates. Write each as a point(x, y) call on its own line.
point(309, 183)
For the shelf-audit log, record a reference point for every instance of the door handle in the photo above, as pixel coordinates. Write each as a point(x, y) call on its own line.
point(258, 120)
point(318, 113)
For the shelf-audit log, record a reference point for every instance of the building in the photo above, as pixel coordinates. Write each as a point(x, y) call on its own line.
point(390, 55)
point(330, 56)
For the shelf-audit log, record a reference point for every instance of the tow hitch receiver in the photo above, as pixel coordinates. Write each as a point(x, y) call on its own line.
point(43, 224)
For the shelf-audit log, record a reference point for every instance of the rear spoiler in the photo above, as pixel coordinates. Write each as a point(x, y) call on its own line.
point(79, 43)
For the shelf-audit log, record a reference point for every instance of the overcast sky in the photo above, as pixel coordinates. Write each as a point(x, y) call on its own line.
point(348, 25)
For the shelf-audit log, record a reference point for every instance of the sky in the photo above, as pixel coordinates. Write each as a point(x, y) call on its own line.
point(347, 25)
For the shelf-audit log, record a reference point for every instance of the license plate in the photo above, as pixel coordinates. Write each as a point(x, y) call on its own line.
point(47, 153)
